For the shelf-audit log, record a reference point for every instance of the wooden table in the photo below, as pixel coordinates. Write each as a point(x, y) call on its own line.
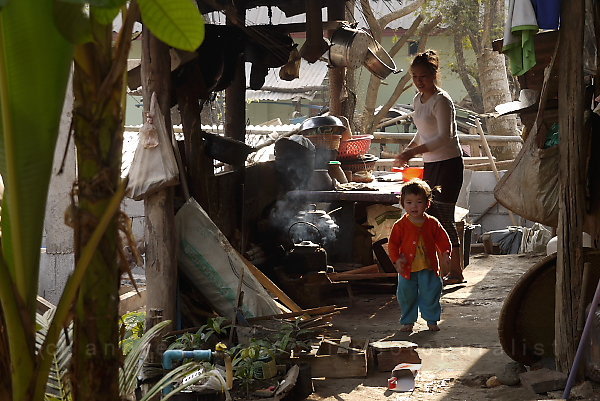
point(387, 193)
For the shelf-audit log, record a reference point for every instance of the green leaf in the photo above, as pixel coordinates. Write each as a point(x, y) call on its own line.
point(105, 16)
point(31, 96)
point(3, 3)
point(178, 23)
point(131, 365)
point(72, 22)
point(99, 3)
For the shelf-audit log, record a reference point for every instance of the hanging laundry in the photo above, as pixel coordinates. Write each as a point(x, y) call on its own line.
point(519, 32)
point(547, 13)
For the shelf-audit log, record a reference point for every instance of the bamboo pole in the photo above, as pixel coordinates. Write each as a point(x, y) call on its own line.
point(488, 152)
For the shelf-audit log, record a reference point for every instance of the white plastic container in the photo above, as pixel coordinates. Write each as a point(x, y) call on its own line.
point(552, 245)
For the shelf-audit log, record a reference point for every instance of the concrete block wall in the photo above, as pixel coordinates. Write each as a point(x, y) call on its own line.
point(481, 196)
point(135, 210)
point(55, 268)
point(57, 260)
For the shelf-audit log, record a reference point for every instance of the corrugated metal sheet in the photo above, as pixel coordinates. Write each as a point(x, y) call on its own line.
point(260, 95)
point(260, 15)
point(255, 135)
point(311, 76)
point(310, 80)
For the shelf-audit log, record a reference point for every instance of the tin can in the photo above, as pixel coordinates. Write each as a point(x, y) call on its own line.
point(392, 383)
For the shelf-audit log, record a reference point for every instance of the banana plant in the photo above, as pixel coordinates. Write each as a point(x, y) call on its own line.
point(39, 39)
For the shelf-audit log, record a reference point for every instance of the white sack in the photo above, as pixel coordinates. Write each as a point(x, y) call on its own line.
point(207, 258)
point(154, 166)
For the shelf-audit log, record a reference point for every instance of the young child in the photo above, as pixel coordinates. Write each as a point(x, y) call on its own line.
point(414, 244)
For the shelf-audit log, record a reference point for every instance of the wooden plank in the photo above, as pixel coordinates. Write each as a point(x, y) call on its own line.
point(359, 276)
point(463, 138)
point(313, 311)
point(418, 161)
point(504, 164)
point(365, 269)
point(271, 286)
point(132, 301)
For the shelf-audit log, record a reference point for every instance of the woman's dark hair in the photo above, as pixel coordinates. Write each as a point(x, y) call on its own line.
point(430, 60)
point(415, 186)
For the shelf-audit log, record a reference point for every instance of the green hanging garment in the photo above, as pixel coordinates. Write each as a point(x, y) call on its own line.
point(519, 32)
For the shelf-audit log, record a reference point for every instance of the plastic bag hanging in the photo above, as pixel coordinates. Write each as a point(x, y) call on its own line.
point(148, 133)
point(153, 167)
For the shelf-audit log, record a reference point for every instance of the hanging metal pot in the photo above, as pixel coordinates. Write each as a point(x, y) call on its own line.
point(348, 47)
point(378, 61)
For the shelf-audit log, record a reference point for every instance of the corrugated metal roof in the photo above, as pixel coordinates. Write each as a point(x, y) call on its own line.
point(259, 95)
point(310, 80)
point(260, 15)
point(255, 135)
point(311, 76)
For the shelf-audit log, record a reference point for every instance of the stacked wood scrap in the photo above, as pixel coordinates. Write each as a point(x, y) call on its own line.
point(337, 358)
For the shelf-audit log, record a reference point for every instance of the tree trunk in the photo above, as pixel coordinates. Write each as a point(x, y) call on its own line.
point(569, 264)
point(367, 117)
point(463, 73)
point(98, 133)
point(495, 91)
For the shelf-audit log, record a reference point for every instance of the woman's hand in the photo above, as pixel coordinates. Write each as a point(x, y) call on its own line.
point(403, 158)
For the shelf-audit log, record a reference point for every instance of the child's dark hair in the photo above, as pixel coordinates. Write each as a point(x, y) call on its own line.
point(416, 186)
point(428, 59)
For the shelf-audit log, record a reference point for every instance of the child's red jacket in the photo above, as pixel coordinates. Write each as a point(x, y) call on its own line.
point(405, 235)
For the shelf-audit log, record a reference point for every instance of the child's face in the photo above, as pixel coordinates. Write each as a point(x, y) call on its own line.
point(415, 205)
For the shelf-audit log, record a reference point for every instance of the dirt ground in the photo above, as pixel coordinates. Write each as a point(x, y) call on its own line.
point(454, 359)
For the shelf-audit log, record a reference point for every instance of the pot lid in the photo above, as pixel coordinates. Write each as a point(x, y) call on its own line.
point(322, 125)
point(307, 244)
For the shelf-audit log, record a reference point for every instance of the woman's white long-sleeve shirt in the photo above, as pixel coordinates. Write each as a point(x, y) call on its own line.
point(436, 127)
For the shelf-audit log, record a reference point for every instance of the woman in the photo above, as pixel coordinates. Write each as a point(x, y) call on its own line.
point(436, 140)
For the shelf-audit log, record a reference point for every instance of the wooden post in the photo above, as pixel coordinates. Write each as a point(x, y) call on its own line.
point(335, 11)
point(230, 207)
point(199, 166)
point(569, 264)
point(161, 266)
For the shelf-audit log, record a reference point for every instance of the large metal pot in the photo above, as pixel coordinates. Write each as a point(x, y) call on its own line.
point(379, 62)
point(348, 47)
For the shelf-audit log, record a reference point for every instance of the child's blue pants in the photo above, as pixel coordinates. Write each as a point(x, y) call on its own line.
point(422, 292)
